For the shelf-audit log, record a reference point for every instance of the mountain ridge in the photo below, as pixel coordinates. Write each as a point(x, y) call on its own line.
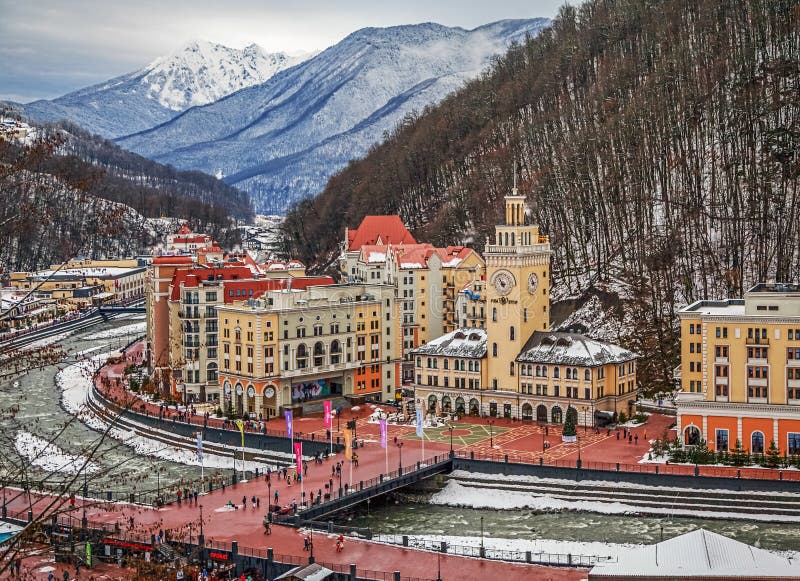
point(282, 139)
point(196, 73)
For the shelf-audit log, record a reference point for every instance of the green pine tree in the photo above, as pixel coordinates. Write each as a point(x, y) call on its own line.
point(571, 422)
point(773, 456)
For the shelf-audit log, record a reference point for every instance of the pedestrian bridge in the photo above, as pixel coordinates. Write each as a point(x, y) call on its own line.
point(363, 490)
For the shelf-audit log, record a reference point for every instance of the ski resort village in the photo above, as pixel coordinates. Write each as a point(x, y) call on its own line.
point(476, 292)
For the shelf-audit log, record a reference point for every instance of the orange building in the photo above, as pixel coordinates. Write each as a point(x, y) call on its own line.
point(740, 371)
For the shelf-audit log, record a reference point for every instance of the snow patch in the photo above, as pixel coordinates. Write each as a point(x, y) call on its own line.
point(125, 330)
point(49, 457)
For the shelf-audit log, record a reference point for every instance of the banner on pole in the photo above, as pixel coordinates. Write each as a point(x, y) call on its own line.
point(348, 443)
point(199, 446)
point(240, 425)
point(383, 433)
point(327, 410)
point(298, 453)
point(419, 422)
point(288, 414)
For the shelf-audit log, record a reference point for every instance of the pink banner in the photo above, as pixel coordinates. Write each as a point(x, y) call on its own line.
point(383, 433)
point(327, 410)
point(298, 453)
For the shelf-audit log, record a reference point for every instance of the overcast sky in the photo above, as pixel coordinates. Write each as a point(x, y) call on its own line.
point(51, 47)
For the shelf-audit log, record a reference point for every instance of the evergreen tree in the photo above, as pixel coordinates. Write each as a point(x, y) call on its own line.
point(571, 422)
point(773, 456)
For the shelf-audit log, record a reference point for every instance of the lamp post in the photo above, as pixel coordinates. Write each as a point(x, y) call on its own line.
point(311, 556)
point(400, 466)
point(450, 428)
point(482, 550)
point(201, 539)
point(269, 493)
point(584, 418)
point(491, 434)
point(84, 522)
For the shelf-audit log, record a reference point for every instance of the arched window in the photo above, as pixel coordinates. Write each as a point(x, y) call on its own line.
point(587, 375)
point(211, 372)
point(538, 371)
point(527, 411)
point(302, 356)
point(557, 415)
point(336, 352)
point(494, 314)
point(319, 354)
point(544, 370)
point(574, 373)
point(499, 239)
point(691, 436)
point(569, 373)
point(511, 333)
point(757, 443)
point(556, 372)
point(511, 368)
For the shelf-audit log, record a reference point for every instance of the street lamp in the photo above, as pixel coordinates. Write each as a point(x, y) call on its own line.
point(400, 467)
point(482, 553)
point(491, 434)
point(584, 408)
point(201, 538)
point(450, 428)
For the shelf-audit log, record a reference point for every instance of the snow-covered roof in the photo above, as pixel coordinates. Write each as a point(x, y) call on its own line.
point(727, 307)
point(467, 342)
point(571, 349)
point(699, 554)
point(89, 271)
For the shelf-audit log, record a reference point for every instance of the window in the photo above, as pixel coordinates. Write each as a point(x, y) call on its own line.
point(494, 314)
point(691, 329)
point(556, 371)
point(511, 335)
point(494, 349)
point(793, 353)
point(587, 375)
point(794, 443)
point(722, 440)
point(757, 443)
point(511, 368)
point(525, 316)
point(587, 393)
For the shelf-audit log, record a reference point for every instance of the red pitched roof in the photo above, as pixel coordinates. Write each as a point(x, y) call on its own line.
point(191, 277)
point(173, 259)
point(379, 230)
point(241, 288)
point(185, 229)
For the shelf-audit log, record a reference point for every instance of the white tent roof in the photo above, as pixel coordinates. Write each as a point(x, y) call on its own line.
point(699, 554)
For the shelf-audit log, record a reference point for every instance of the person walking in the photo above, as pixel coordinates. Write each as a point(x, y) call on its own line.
point(276, 497)
point(244, 502)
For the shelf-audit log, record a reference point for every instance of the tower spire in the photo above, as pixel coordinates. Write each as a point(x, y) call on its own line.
point(514, 190)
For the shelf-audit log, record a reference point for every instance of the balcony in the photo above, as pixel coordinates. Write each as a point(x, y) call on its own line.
point(330, 368)
point(757, 400)
point(793, 383)
point(753, 341)
point(720, 381)
point(757, 381)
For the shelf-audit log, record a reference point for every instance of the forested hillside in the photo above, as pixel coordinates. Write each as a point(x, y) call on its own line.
point(657, 143)
point(66, 193)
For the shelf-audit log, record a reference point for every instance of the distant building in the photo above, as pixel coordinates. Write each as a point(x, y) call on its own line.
point(740, 371)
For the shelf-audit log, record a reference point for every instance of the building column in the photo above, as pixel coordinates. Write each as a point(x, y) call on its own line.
point(705, 427)
point(739, 429)
point(775, 433)
point(679, 427)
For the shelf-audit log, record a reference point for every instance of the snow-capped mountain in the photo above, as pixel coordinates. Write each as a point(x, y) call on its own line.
point(196, 74)
point(281, 140)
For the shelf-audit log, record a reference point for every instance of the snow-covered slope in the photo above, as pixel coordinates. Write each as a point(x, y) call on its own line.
point(197, 73)
point(283, 139)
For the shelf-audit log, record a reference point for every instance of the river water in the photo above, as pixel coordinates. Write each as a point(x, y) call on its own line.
point(410, 514)
point(39, 413)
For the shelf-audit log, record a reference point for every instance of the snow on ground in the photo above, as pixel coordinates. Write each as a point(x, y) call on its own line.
point(75, 383)
point(134, 329)
point(50, 457)
point(499, 497)
point(40, 343)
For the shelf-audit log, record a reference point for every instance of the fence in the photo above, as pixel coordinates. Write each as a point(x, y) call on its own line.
point(698, 470)
point(514, 556)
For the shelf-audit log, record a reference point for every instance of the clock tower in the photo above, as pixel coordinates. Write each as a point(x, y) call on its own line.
point(517, 291)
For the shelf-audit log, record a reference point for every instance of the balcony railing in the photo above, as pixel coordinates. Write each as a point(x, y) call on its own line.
point(757, 341)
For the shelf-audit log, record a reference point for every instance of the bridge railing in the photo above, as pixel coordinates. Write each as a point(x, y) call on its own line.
point(510, 555)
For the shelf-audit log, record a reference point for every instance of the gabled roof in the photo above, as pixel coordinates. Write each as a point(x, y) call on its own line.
point(467, 342)
point(262, 285)
point(571, 349)
point(416, 256)
point(184, 230)
point(452, 256)
point(379, 230)
point(699, 554)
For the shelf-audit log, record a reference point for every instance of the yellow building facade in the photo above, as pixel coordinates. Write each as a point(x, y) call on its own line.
point(740, 371)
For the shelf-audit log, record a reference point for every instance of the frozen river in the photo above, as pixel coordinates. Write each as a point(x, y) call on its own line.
point(40, 418)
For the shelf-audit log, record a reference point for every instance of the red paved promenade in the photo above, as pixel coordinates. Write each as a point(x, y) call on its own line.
point(523, 442)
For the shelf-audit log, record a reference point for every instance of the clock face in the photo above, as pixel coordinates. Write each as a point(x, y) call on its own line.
point(503, 282)
point(251, 392)
point(533, 283)
point(269, 392)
